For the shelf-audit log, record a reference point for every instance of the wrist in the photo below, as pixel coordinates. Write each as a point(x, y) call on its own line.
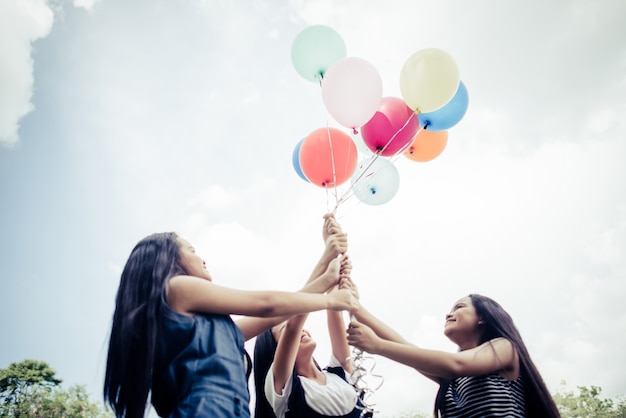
point(329, 301)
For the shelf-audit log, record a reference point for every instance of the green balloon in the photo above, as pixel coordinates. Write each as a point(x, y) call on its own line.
point(315, 49)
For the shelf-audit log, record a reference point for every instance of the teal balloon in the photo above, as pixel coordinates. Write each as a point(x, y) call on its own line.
point(375, 181)
point(315, 49)
point(449, 115)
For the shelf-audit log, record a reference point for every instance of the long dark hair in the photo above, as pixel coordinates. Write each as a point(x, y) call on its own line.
point(498, 323)
point(134, 333)
point(264, 351)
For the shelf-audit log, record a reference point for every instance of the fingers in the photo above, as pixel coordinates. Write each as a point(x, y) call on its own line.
point(346, 283)
point(353, 332)
point(330, 224)
point(337, 244)
point(346, 264)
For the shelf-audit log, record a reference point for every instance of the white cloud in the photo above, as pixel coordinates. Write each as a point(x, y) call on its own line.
point(215, 197)
point(85, 4)
point(22, 22)
point(186, 121)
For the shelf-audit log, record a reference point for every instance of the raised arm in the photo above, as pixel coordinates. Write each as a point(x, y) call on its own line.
point(252, 326)
point(378, 327)
point(190, 295)
point(495, 355)
point(364, 316)
point(335, 243)
point(289, 341)
point(337, 326)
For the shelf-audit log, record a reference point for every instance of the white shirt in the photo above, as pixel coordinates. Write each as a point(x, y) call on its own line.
point(335, 398)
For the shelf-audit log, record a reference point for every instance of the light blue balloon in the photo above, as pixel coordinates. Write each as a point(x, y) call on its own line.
point(449, 115)
point(375, 181)
point(295, 159)
point(315, 49)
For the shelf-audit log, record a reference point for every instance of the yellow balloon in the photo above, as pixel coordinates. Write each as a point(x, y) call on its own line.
point(429, 79)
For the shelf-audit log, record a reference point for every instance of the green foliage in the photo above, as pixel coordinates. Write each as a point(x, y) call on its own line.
point(588, 403)
point(16, 380)
point(30, 389)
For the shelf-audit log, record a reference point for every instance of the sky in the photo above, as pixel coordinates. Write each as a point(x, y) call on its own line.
point(119, 119)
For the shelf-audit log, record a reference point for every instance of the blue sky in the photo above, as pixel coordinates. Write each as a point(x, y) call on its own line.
point(119, 119)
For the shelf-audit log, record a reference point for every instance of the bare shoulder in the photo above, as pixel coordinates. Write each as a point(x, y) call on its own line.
point(181, 288)
point(500, 346)
point(507, 357)
point(183, 284)
point(501, 342)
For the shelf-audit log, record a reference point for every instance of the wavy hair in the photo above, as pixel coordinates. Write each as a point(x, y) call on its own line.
point(498, 323)
point(134, 331)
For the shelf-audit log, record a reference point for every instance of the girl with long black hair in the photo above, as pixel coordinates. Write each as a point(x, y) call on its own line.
point(173, 340)
point(491, 375)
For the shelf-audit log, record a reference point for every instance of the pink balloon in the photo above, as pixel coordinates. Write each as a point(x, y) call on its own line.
point(392, 129)
point(352, 90)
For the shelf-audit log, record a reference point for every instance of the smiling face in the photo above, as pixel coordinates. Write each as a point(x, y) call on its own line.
point(306, 344)
point(191, 262)
point(462, 323)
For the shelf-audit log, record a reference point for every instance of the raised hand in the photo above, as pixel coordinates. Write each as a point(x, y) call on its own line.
point(347, 283)
point(343, 300)
point(363, 337)
point(335, 240)
point(331, 226)
point(346, 268)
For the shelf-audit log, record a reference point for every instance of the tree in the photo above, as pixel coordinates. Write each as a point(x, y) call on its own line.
point(31, 389)
point(588, 403)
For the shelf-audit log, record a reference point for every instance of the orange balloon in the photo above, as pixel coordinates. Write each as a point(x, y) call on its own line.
point(328, 157)
point(427, 145)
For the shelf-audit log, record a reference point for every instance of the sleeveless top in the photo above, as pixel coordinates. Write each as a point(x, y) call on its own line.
point(199, 368)
point(484, 396)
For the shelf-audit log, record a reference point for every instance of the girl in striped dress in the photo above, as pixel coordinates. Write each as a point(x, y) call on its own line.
point(492, 374)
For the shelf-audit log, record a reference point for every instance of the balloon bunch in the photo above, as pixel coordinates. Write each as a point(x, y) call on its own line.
point(434, 99)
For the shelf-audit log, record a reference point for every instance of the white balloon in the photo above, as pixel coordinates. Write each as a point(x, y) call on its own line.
point(375, 181)
point(352, 90)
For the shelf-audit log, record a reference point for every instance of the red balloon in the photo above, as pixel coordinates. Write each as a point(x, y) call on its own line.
point(328, 157)
point(392, 128)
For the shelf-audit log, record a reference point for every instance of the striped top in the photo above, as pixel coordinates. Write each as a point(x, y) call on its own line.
point(484, 396)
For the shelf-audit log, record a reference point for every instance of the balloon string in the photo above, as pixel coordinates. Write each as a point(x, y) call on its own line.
point(332, 158)
point(396, 134)
point(345, 196)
